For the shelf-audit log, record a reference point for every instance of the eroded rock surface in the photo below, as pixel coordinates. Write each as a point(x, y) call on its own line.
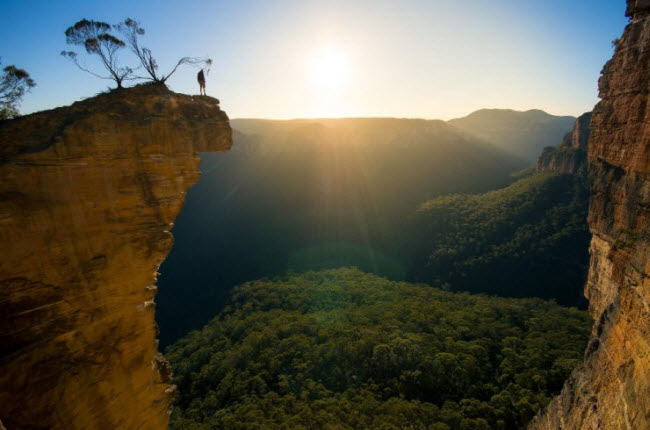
point(88, 195)
point(571, 155)
point(612, 389)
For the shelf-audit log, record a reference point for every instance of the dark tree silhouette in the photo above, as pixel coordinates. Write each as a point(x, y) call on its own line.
point(131, 30)
point(96, 38)
point(14, 83)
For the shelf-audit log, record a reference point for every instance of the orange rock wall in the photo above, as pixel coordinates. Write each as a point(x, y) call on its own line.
point(88, 195)
point(612, 389)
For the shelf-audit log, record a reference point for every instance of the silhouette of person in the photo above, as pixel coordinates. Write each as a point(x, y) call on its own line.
point(201, 78)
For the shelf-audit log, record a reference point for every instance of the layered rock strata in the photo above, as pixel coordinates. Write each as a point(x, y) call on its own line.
point(612, 389)
point(88, 195)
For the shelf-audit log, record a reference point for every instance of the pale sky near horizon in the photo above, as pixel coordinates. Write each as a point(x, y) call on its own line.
point(306, 58)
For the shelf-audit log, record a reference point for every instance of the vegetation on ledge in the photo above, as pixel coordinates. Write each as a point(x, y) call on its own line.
point(345, 349)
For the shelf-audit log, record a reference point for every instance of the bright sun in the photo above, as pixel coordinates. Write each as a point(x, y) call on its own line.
point(329, 69)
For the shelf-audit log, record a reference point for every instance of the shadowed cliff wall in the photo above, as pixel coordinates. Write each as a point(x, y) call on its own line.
point(612, 389)
point(88, 195)
point(571, 155)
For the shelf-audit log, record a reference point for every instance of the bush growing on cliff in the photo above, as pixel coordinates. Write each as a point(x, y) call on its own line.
point(14, 84)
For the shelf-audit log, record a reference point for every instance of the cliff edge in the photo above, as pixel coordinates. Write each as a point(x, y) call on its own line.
point(88, 195)
point(570, 156)
point(612, 389)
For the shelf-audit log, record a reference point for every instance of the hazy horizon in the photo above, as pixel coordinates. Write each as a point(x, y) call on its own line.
point(315, 118)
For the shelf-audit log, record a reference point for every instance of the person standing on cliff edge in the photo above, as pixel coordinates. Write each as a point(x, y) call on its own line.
point(201, 78)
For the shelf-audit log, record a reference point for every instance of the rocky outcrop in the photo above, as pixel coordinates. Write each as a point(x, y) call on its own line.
point(612, 389)
point(88, 195)
point(570, 156)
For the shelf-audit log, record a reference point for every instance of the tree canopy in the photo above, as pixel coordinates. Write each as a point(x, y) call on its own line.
point(14, 84)
point(96, 38)
point(528, 239)
point(345, 349)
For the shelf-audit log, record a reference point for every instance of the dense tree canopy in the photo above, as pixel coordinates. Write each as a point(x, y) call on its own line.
point(528, 239)
point(345, 349)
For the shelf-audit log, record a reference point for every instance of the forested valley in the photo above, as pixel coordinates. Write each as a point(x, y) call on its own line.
point(317, 194)
point(323, 270)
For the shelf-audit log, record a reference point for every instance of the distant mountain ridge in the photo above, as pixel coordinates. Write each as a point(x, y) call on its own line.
point(345, 130)
point(505, 240)
point(524, 134)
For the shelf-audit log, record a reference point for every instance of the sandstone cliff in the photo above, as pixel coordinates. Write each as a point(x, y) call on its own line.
point(571, 155)
point(612, 389)
point(88, 194)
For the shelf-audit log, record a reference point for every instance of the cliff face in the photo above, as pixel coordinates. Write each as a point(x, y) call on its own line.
point(612, 389)
point(88, 194)
point(571, 155)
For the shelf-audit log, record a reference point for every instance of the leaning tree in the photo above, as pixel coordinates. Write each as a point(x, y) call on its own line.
point(131, 31)
point(14, 83)
point(96, 38)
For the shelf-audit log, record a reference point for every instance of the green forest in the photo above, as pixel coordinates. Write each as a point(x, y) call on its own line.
point(312, 194)
point(345, 349)
point(411, 200)
point(528, 239)
point(309, 257)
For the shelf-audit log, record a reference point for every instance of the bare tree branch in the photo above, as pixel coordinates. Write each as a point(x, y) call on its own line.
point(131, 31)
point(72, 56)
point(190, 61)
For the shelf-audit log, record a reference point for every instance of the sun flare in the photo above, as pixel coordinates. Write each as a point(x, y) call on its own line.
point(329, 69)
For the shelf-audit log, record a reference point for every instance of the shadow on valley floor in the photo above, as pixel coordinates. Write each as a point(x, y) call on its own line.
point(317, 194)
point(309, 195)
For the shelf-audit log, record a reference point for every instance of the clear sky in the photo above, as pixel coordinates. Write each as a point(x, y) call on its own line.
point(307, 58)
